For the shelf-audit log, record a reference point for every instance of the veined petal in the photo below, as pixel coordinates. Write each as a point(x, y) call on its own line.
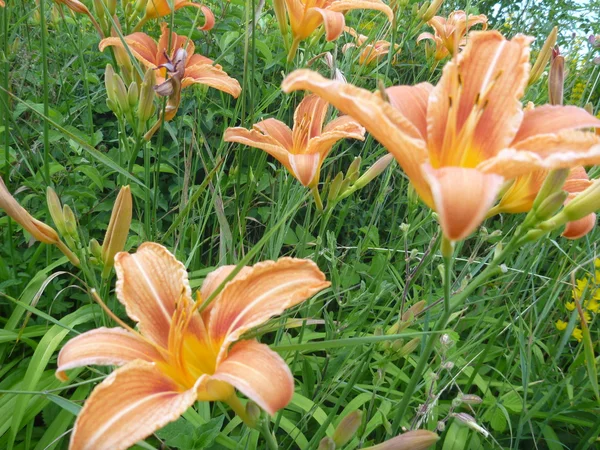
point(399, 136)
point(308, 120)
point(305, 166)
point(265, 290)
point(546, 151)
point(141, 46)
point(259, 373)
point(550, 119)
point(149, 283)
point(462, 198)
point(412, 101)
point(343, 128)
point(211, 76)
point(579, 228)
point(577, 182)
point(104, 347)
point(129, 405)
point(521, 194)
point(474, 111)
point(277, 130)
point(347, 5)
point(212, 281)
point(254, 138)
point(200, 59)
point(334, 22)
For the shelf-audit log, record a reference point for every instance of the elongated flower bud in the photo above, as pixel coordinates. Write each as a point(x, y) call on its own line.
point(551, 205)
point(556, 78)
point(585, 203)
point(334, 187)
point(374, 171)
point(118, 229)
point(279, 8)
point(347, 428)
point(431, 10)
point(146, 104)
point(133, 95)
point(70, 222)
point(326, 444)
point(411, 440)
point(553, 182)
point(55, 208)
point(540, 63)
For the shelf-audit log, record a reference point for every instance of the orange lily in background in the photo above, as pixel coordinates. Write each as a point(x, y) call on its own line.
point(450, 34)
point(78, 7)
point(577, 182)
point(161, 8)
point(460, 140)
point(307, 15)
point(179, 355)
point(303, 149)
point(2, 3)
point(370, 52)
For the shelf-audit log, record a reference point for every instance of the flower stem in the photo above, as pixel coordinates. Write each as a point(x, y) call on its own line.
point(267, 435)
point(318, 202)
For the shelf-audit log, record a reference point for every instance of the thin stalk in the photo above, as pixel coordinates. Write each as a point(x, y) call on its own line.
point(267, 435)
point(45, 84)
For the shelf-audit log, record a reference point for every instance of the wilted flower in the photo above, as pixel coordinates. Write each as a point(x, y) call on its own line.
point(78, 7)
point(450, 34)
point(303, 149)
point(307, 15)
point(460, 140)
point(179, 355)
point(370, 52)
point(161, 8)
point(411, 440)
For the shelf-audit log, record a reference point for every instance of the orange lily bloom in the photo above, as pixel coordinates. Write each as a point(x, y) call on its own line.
point(450, 34)
point(307, 15)
point(2, 3)
point(161, 8)
point(157, 55)
point(577, 182)
point(303, 149)
point(460, 140)
point(370, 52)
point(78, 7)
point(179, 355)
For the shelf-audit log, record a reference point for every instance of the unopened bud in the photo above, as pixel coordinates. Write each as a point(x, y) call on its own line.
point(133, 95)
point(146, 104)
point(470, 422)
point(411, 440)
point(556, 78)
point(120, 93)
point(347, 428)
point(585, 203)
point(431, 10)
point(118, 229)
point(551, 205)
point(76, 6)
point(352, 173)
point(55, 208)
point(70, 222)
point(471, 399)
point(540, 63)
point(252, 412)
point(112, 6)
point(374, 171)
point(409, 347)
point(326, 444)
point(553, 182)
point(335, 186)
point(413, 311)
point(95, 249)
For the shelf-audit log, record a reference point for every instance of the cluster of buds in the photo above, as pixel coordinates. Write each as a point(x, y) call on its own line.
point(135, 103)
point(349, 425)
point(399, 348)
point(543, 57)
point(343, 186)
point(428, 10)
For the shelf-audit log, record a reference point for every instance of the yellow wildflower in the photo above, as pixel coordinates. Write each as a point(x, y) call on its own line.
point(577, 334)
point(593, 305)
point(561, 325)
point(580, 289)
point(570, 306)
point(597, 260)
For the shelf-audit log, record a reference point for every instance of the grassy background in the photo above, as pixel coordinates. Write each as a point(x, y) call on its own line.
point(379, 247)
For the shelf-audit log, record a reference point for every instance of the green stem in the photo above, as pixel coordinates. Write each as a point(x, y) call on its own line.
point(45, 86)
point(318, 202)
point(267, 435)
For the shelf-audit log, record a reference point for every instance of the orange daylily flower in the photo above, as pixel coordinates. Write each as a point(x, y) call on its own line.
point(370, 52)
point(179, 355)
point(161, 8)
point(577, 182)
point(460, 140)
point(307, 15)
point(450, 34)
point(78, 7)
point(2, 3)
point(303, 149)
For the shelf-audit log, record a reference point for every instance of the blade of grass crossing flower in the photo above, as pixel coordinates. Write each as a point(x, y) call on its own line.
point(590, 361)
point(48, 345)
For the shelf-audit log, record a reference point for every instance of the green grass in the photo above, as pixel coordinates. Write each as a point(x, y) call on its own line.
point(214, 203)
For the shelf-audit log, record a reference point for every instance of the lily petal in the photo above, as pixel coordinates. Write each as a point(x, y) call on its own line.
point(579, 228)
point(474, 111)
point(462, 198)
point(308, 120)
point(383, 121)
point(265, 290)
point(305, 166)
point(334, 22)
point(211, 76)
point(129, 405)
point(522, 193)
point(254, 138)
point(347, 5)
point(412, 101)
point(278, 131)
point(141, 46)
point(212, 281)
point(104, 347)
point(149, 283)
point(259, 373)
point(549, 119)
point(341, 128)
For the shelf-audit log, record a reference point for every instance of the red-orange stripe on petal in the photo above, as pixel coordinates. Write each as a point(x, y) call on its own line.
point(259, 373)
point(412, 101)
point(129, 405)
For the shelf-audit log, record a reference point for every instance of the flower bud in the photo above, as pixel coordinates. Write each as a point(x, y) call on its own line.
point(374, 171)
point(55, 208)
point(413, 311)
point(145, 108)
point(470, 422)
point(133, 95)
point(553, 183)
point(118, 229)
point(95, 249)
point(470, 399)
point(70, 222)
point(411, 440)
point(112, 6)
point(347, 428)
point(335, 186)
point(556, 78)
point(120, 93)
point(540, 63)
point(280, 15)
point(408, 348)
point(252, 412)
point(326, 444)
point(584, 203)
point(431, 10)
point(352, 173)
point(551, 205)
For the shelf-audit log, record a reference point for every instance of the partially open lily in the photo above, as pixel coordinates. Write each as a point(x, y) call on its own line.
point(161, 8)
point(460, 140)
point(180, 356)
point(307, 15)
point(450, 34)
point(303, 149)
point(370, 52)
